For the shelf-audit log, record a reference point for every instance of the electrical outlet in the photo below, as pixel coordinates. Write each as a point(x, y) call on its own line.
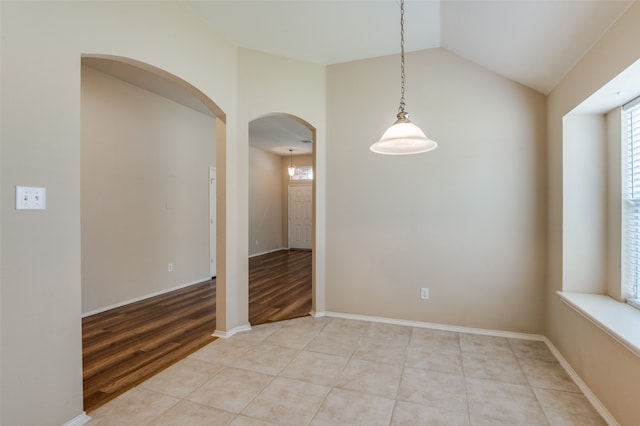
point(170, 267)
point(424, 293)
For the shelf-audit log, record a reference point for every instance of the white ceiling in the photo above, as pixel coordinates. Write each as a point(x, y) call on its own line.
point(278, 133)
point(533, 42)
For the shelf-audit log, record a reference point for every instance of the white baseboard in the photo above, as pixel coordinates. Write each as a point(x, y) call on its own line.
point(226, 334)
point(434, 326)
point(79, 420)
point(268, 251)
point(595, 402)
point(147, 296)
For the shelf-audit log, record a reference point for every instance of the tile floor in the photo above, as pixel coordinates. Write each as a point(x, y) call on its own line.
point(333, 371)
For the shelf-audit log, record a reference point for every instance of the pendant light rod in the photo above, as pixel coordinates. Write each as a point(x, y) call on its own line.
point(402, 74)
point(403, 137)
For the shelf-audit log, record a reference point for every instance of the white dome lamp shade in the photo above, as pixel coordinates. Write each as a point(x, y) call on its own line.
point(403, 137)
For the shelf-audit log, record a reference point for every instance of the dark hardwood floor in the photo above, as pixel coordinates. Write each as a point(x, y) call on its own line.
point(125, 346)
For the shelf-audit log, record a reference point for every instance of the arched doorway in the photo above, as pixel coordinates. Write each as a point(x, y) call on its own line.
point(167, 174)
point(281, 206)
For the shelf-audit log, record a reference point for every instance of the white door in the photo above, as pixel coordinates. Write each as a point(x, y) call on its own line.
point(212, 221)
point(300, 216)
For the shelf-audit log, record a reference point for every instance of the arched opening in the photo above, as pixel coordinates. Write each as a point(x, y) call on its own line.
point(281, 217)
point(146, 209)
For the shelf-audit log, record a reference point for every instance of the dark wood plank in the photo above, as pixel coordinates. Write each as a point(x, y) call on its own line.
point(125, 346)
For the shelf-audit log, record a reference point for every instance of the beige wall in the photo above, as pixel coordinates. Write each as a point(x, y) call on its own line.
point(144, 192)
point(265, 202)
point(465, 220)
point(40, 131)
point(42, 43)
point(610, 370)
point(584, 203)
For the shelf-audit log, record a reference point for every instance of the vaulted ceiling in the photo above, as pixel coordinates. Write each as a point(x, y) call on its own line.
point(533, 42)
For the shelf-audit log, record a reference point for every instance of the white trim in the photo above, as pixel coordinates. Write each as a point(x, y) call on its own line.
point(419, 324)
point(318, 314)
point(138, 299)
point(595, 402)
point(226, 334)
point(79, 420)
point(617, 319)
point(269, 251)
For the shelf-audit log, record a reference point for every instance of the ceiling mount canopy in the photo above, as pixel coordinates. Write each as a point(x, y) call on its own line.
point(403, 137)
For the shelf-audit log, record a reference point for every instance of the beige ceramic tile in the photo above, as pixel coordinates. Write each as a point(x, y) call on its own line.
point(292, 337)
point(258, 332)
point(137, 406)
point(436, 340)
point(313, 367)
point(223, 351)
point(231, 389)
point(370, 377)
point(248, 421)
point(548, 375)
point(426, 358)
point(334, 344)
point(182, 378)
point(369, 364)
point(340, 326)
point(344, 407)
point(531, 349)
point(287, 402)
point(309, 323)
point(477, 343)
point(266, 358)
point(408, 414)
point(566, 408)
point(503, 403)
point(434, 389)
point(501, 367)
point(192, 414)
point(390, 334)
point(374, 350)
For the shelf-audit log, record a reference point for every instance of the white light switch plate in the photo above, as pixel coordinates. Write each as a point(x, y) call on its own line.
point(31, 198)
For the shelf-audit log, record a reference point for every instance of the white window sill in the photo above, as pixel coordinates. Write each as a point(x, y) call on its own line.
point(619, 320)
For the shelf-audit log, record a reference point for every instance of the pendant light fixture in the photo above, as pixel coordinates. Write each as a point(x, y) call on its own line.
point(403, 137)
point(292, 168)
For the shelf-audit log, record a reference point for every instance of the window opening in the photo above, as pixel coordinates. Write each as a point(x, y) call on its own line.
point(631, 202)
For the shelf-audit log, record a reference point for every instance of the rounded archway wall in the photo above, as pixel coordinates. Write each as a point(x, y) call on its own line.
point(276, 141)
point(169, 270)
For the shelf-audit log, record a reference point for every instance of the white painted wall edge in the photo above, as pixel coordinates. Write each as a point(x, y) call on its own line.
point(618, 319)
point(591, 397)
point(147, 296)
point(226, 334)
point(434, 326)
point(79, 420)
